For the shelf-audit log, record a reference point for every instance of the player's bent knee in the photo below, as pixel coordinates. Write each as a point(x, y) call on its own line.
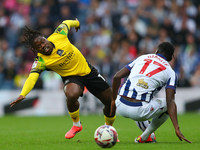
point(72, 96)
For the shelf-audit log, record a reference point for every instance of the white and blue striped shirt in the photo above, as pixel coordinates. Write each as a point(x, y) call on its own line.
point(148, 74)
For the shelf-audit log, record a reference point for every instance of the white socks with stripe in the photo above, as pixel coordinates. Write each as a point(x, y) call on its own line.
point(148, 127)
point(142, 124)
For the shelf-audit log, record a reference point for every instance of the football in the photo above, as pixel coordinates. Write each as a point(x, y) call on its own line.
point(106, 136)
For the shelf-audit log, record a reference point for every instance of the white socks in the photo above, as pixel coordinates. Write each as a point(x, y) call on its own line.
point(78, 124)
point(154, 125)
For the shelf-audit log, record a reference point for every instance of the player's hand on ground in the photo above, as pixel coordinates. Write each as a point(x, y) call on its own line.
point(113, 108)
point(77, 28)
point(18, 100)
point(181, 136)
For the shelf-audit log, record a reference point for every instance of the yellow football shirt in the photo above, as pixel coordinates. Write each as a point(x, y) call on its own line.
point(65, 59)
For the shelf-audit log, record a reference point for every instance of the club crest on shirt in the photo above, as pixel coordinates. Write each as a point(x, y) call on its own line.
point(159, 101)
point(34, 64)
point(142, 84)
point(59, 52)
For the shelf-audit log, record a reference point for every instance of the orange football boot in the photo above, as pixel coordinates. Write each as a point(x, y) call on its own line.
point(72, 132)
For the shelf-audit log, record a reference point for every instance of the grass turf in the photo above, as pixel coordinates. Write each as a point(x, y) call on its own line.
point(42, 133)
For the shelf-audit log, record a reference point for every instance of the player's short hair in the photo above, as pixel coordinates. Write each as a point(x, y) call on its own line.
point(167, 49)
point(29, 36)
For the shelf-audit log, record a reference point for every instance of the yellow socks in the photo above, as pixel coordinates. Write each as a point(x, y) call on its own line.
point(109, 120)
point(75, 118)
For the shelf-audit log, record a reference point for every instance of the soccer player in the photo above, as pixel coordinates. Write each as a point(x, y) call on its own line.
point(56, 53)
point(145, 77)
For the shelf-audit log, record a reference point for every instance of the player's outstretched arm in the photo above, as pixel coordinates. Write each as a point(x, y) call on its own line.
point(172, 111)
point(28, 86)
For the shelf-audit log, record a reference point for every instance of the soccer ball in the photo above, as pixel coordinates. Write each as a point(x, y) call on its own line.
point(106, 136)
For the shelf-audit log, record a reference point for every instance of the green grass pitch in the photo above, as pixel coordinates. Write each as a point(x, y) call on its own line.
point(47, 133)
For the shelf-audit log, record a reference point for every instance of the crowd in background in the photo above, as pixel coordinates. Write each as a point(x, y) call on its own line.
point(112, 33)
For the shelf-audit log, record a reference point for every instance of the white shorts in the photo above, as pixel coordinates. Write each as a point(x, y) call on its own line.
point(141, 111)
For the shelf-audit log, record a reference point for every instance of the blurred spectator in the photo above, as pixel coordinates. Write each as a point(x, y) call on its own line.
point(106, 69)
point(180, 37)
point(82, 10)
point(132, 4)
point(138, 25)
point(54, 9)
point(18, 57)
point(102, 38)
point(195, 79)
point(125, 56)
point(154, 27)
point(182, 80)
point(9, 74)
point(36, 10)
point(106, 20)
point(1, 73)
point(168, 27)
point(3, 22)
point(114, 56)
point(65, 13)
point(183, 19)
point(125, 17)
point(17, 22)
point(10, 5)
point(133, 40)
point(144, 10)
point(189, 56)
point(162, 37)
point(159, 10)
point(43, 25)
point(190, 9)
point(22, 74)
point(146, 45)
point(6, 52)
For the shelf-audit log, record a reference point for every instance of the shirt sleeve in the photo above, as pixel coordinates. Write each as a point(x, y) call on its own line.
point(130, 65)
point(172, 82)
point(29, 84)
point(38, 65)
point(65, 26)
point(71, 23)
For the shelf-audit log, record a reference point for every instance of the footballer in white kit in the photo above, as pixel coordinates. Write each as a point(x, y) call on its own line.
point(148, 74)
point(135, 99)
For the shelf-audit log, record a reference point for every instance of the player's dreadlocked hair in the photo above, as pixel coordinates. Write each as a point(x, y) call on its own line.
point(167, 49)
point(29, 36)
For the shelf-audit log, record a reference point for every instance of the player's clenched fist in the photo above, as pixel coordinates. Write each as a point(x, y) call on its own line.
point(77, 28)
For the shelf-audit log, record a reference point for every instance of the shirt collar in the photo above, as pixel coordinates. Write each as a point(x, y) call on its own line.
point(161, 56)
point(52, 44)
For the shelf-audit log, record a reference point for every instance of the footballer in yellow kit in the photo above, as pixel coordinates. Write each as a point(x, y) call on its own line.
point(57, 54)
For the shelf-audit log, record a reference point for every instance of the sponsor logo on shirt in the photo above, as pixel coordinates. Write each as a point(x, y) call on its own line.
point(142, 84)
point(68, 58)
